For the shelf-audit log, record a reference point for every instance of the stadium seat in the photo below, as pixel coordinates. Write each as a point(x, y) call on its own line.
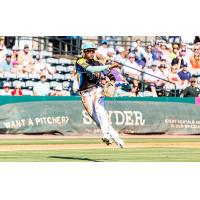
point(14, 83)
point(70, 68)
point(56, 76)
point(27, 92)
point(34, 76)
point(22, 76)
point(67, 76)
point(30, 84)
point(65, 85)
point(49, 76)
point(64, 61)
point(53, 84)
point(60, 69)
point(9, 76)
point(52, 61)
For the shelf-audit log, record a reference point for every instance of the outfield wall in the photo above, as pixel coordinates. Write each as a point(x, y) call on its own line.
point(66, 115)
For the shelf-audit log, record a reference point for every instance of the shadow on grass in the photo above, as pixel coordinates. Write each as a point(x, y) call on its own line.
point(75, 158)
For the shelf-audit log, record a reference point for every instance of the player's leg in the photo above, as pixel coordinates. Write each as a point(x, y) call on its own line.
point(88, 103)
point(104, 120)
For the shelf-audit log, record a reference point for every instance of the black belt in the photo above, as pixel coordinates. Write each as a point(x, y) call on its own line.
point(87, 90)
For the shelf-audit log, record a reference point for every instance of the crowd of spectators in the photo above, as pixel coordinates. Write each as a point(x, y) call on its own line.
point(29, 73)
point(164, 68)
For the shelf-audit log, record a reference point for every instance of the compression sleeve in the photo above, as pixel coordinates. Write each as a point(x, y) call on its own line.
point(97, 68)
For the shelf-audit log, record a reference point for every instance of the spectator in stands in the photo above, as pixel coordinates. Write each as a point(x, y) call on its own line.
point(149, 55)
point(175, 79)
point(163, 49)
point(139, 42)
point(196, 39)
point(6, 90)
point(195, 59)
point(17, 67)
point(116, 71)
point(102, 51)
point(184, 74)
point(2, 54)
point(119, 92)
point(174, 52)
point(111, 54)
point(157, 54)
point(193, 90)
point(153, 81)
point(131, 69)
point(179, 60)
point(140, 54)
point(6, 66)
point(41, 88)
point(25, 56)
point(41, 66)
point(17, 91)
point(26, 68)
point(163, 69)
point(58, 91)
point(134, 91)
point(3, 49)
point(121, 56)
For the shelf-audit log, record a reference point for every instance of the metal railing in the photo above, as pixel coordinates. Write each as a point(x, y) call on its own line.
point(43, 44)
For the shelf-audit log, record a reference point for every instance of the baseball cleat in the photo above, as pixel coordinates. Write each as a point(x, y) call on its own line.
point(120, 143)
point(107, 139)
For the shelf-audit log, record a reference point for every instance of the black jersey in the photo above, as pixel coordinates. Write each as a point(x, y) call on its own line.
point(85, 78)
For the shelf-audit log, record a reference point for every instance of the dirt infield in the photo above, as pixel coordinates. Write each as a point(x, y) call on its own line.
point(95, 146)
point(14, 147)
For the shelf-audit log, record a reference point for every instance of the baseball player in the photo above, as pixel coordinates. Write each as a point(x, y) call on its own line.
point(89, 71)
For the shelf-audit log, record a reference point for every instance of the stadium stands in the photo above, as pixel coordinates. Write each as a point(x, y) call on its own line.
point(166, 55)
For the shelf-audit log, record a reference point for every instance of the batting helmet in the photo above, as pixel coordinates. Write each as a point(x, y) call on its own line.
point(89, 46)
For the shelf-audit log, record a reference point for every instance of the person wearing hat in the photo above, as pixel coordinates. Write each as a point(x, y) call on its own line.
point(102, 51)
point(121, 56)
point(6, 89)
point(89, 70)
point(17, 91)
point(41, 88)
point(119, 92)
point(57, 91)
point(25, 56)
point(132, 70)
point(184, 74)
point(6, 65)
point(41, 66)
point(175, 50)
point(139, 53)
point(153, 81)
point(111, 54)
point(149, 55)
point(193, 90)
point(17, 67)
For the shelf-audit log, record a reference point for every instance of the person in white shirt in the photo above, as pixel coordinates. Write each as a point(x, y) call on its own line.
point(41, 66)
point(102, 51)
point(6, 90)
point(131, 69)
point(111, 54)
point(121, 57)
point(41, 88)
point(153, 81)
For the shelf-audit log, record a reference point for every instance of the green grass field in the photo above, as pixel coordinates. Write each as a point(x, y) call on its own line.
point(103, 154)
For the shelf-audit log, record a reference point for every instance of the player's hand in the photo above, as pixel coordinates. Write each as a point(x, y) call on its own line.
point(113, 65)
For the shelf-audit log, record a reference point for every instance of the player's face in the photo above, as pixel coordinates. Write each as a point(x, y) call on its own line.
point(89, 54)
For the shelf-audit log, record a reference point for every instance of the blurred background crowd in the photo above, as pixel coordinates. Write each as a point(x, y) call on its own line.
point(166, 66)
